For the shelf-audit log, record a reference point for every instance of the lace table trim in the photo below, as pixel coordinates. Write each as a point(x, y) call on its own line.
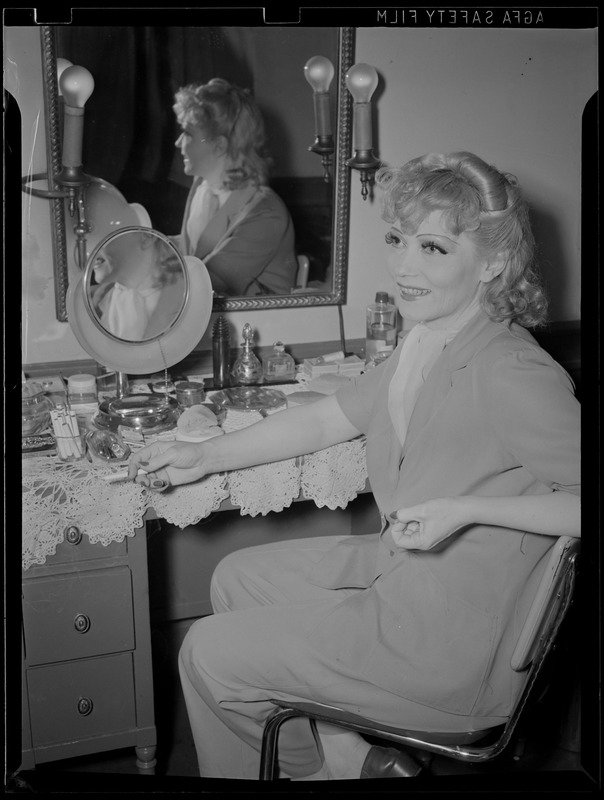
point(58, 494)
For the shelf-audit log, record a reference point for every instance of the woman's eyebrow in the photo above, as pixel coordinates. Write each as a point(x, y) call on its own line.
point(438, 236)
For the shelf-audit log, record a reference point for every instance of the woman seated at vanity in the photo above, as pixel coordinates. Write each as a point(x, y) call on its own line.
point(139, 286)
point(237, 225)
point(473, 453)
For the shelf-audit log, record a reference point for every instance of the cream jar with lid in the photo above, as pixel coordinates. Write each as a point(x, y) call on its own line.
point(83, 398)
point(189, 393)
point(82, 388)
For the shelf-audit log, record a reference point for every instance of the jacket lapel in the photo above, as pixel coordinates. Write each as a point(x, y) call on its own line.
point(384, 451)
point(469, 341)
point(222, 220)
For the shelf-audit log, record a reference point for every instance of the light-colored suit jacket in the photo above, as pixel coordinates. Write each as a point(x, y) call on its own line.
point(497, 416)
point(248, 247)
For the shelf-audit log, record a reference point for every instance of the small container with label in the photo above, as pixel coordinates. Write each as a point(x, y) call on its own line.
point(279, 366)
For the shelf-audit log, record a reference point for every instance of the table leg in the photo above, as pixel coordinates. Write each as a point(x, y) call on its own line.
point(145, 760)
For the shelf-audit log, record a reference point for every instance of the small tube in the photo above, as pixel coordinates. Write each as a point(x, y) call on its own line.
point(120, 475)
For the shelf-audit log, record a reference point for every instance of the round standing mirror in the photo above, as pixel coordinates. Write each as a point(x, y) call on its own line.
point(136, 285)
point(140, 306)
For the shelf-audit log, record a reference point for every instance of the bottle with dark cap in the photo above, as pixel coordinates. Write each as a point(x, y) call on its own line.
point(221, 353)
point(381, 328)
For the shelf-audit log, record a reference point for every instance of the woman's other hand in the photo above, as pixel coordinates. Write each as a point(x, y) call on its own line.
point(168, 464)
point(425, 525)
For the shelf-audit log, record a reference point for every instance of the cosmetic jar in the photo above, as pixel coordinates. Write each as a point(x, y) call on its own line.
point(189, 393)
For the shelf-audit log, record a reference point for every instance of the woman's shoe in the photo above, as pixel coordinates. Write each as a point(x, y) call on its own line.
point(387, 762)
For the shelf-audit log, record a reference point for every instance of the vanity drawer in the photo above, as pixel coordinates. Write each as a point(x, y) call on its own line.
point(78, 615)
point(76, 547)
point(81, 699)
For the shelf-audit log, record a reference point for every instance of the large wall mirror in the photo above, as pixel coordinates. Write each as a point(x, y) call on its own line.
point(130, 132)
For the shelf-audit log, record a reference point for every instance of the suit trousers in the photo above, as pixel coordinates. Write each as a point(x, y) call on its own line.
point(260, 643)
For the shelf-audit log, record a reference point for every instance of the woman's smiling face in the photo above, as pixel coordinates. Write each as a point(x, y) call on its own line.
point(437, 273)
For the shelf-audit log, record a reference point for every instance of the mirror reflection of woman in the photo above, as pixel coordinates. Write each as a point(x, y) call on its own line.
point(140, 286)
point(233, 221)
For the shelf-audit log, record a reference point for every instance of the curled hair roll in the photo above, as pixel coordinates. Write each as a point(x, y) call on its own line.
point(477, 199)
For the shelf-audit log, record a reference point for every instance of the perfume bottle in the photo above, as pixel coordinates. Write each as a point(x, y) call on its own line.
point(279, 366)
point(247, 368)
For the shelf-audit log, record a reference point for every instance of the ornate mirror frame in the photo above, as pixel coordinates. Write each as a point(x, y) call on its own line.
point(340, 176)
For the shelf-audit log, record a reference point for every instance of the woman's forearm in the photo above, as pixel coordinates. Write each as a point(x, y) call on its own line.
point(554, 514)
point(287, 434)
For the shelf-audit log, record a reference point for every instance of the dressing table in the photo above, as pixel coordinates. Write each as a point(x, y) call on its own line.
point(87, 674)
point(87, 677)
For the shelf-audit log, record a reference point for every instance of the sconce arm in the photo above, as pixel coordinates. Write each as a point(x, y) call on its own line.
point(366, 163)
point(74, 183)
point(323, 146)
point(364, 160)
point(70, 178)
point(46, 194)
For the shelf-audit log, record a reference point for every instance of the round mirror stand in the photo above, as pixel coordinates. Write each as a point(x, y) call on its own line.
point(138, 308)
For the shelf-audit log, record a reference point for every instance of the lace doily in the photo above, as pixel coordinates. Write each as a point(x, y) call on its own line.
point(333, 477)
point(57, 494)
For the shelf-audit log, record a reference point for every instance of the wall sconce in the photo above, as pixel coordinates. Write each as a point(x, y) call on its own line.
point(361, 82)
point(319, 72)
point(97, 207)
point(75, 85)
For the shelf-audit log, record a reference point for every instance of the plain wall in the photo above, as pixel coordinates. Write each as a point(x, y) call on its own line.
point(513, 96)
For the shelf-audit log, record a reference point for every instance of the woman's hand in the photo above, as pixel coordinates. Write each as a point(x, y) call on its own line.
point(168, 464)
point(423, 526)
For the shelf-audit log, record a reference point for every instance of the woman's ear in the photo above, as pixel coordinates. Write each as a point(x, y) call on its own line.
point(491, 269)
point(220, 145)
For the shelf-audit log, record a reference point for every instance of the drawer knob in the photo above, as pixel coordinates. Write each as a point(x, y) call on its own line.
point(81, 623)
point(84, 706)
point(73, 534)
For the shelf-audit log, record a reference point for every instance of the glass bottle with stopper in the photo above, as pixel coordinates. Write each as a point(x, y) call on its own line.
point(247, 368)
point(279, 366)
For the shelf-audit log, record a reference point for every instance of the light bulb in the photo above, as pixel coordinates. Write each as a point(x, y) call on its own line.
point(76, 85)
point(62, 64)
point(361, 82)
point(319, 72)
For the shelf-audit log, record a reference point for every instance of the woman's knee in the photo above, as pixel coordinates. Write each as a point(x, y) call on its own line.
point(191, 641)
point(232, 573)
point(203, 647)
point(221, 583)
point(226, 566)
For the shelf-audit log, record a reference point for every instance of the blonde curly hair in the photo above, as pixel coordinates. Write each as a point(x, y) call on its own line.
point(476, 198)
point(220, 108)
